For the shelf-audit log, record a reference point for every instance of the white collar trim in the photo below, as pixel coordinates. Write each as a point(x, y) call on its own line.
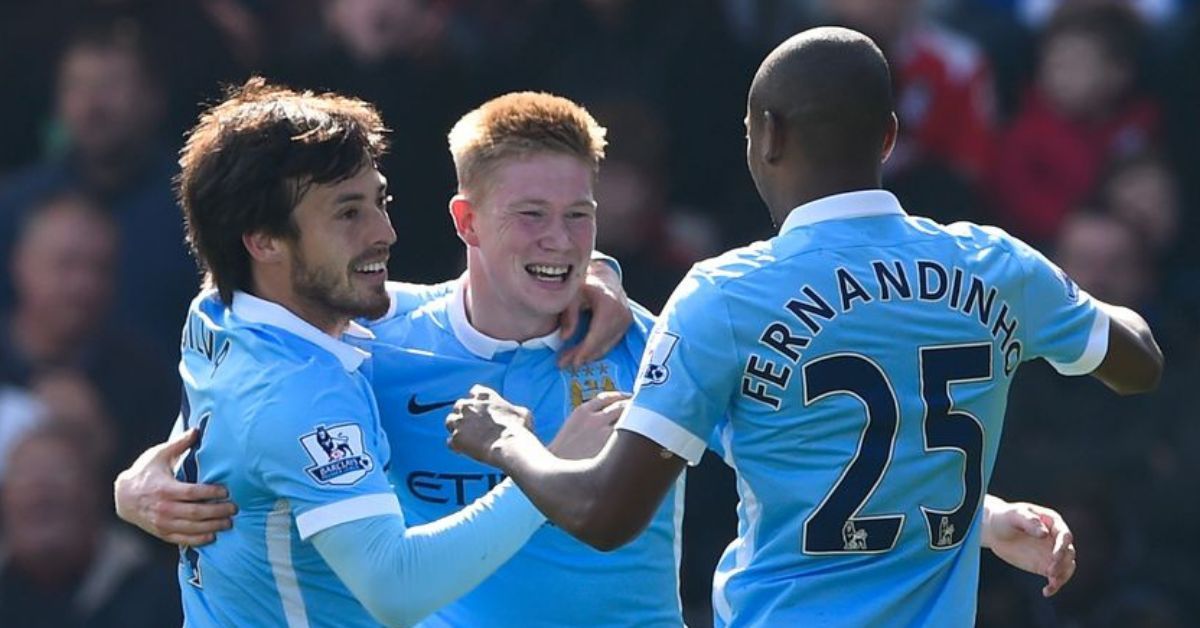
point(482, 344)
point(255, 310)
point(859, 204)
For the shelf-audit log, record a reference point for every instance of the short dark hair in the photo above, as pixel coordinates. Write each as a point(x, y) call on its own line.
point(833, 87)
point(251, 158)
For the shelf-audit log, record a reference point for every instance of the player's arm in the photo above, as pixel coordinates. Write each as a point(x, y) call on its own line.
point(605, 501)
point(1079, 334)
point(402, 574)
point(1133, 363)
point(1030, 537)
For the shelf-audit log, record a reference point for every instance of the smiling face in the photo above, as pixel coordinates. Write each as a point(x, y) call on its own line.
point(530, 231)
point(338, 263)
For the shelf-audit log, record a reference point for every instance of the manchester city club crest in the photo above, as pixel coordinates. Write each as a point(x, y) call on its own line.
point(590, 380)
point(337, 454)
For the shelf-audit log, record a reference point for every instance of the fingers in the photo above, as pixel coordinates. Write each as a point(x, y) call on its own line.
point(209, 514)
point(1062, 557)
point(568, 321)
point(175, 490)
point(481, 393)
point(192, 540)
point(177, 446)
point(1030, 523)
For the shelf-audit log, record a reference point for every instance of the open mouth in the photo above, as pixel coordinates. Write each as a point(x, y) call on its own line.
point(552, 273)
point(372, 269)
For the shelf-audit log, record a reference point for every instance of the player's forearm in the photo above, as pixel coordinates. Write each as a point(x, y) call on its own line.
point(1133, 363)
point(583, 497)
point(403, 574)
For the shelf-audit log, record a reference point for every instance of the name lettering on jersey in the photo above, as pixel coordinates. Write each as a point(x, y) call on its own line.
point(765, 375)
point(589, 380)
point(337, 454)
point(459, 489)
point(198, 338)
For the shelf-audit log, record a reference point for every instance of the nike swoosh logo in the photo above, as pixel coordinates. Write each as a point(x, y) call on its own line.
point(415, 407)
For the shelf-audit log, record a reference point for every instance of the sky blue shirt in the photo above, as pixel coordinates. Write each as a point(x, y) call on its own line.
point(857, 367)
point(426, 360)
point(290, 427)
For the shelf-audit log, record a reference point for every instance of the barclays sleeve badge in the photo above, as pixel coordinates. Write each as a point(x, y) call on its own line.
point(337, 454)
point(656, 371)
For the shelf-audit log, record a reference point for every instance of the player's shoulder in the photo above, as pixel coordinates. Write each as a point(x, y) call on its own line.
point(733, 265)
point(417, 326)
point(972, 235)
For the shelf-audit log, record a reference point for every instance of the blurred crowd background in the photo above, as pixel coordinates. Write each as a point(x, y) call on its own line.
point(1071, 123)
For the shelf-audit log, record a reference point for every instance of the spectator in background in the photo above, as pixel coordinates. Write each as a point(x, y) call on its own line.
point(64, 563)
point(1083, 111)
point(944, 101)
point(110, 104)
point(1141, 190)
point(63, 271)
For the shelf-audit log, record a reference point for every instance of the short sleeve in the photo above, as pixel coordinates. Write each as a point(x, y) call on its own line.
point(326, 458)
point(1062, 323)
point(688, 372)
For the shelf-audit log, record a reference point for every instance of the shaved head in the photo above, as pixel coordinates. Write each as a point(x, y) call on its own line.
point(831, 88)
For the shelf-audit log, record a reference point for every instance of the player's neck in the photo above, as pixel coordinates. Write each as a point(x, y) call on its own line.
point(806, 188)
point(281, 293)
point(491, 316)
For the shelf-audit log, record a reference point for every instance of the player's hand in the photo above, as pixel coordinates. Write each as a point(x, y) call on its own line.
point(481, 419)
point(148, 496)
point(603, 294)
point(586, 431)
point(1032, 538)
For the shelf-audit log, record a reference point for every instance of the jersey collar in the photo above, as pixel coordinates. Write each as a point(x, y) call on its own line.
point(255, 310)
point(482, 344)
point(859, 204)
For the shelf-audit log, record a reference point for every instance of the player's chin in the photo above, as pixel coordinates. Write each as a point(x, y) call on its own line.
point(371, 304)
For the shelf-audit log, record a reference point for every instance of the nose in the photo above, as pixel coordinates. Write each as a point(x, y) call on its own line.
point(381, 230)
point(556, 236)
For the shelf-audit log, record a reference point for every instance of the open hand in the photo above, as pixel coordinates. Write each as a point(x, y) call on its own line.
point(148, 496)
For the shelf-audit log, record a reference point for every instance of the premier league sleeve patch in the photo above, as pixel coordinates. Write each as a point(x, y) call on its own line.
point(337, 454)
point(659, 349)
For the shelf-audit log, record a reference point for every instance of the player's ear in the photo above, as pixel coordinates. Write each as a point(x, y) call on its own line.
point(264, 248)
point(774, 136)
point(463, 211)
point(889, 138)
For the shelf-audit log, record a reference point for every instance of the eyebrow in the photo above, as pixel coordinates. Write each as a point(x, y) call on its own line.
point(358, 196)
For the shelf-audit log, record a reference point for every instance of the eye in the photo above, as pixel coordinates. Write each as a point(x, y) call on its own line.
point(531, 213)
point(349, 213)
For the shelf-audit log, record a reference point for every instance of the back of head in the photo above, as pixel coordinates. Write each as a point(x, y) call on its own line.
point(252, 157)
point(832, 89)
point(517, 125)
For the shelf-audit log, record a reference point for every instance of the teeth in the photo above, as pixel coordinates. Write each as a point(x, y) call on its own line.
point(543, 269)
point(372, 268)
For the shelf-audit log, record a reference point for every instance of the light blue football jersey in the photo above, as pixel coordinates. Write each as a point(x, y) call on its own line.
point(289, 425)
point(857, 366)
point(428, 359)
